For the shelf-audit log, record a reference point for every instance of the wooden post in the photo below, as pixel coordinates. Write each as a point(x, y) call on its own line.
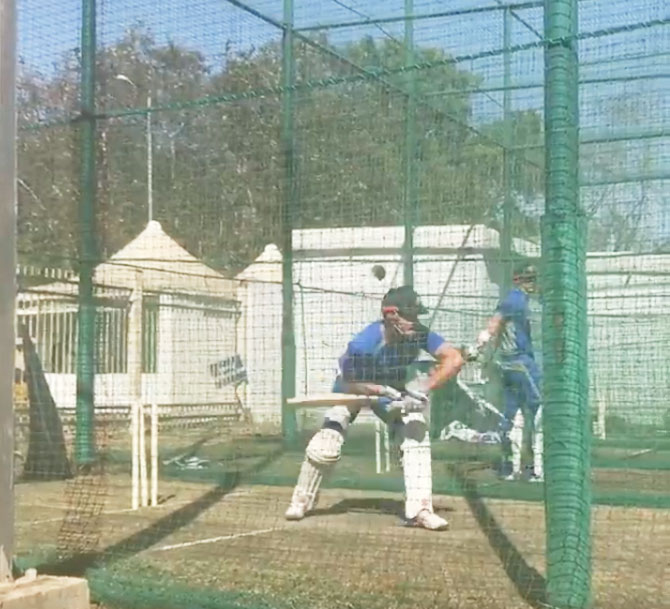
point(378, 453)
point(387, 448)
point(135, 392)
point(154, 454)
point(142, 448)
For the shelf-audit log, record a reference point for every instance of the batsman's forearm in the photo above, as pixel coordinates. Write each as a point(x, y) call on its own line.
point(494, 327)
point(490, 333)
point(447, 369)
point(363, 388)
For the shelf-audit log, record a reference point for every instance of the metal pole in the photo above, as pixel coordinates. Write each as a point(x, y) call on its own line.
point(288, 418)
point(7, 278)
point(410, 194)
point(567, 434)
point(150, 162)
point(84, 435)
point(508, 201)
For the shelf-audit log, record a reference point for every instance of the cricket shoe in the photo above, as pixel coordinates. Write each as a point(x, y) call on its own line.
point(296, 511)
point(513, 477)
point(426, 519)
point(504, 469)
point(534, 478)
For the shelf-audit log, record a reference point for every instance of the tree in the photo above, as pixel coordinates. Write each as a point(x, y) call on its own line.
point(217, 171)
point(352, 137)
point(617, 211)
point(47, 161)
point(523, 129)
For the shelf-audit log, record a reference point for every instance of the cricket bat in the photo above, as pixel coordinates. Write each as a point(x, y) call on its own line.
point(318, 400)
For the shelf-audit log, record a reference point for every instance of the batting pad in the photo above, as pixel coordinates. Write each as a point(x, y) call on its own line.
point(309, 481)
point(417, 468)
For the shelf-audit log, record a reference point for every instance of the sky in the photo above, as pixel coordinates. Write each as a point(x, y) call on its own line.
point(50, 28)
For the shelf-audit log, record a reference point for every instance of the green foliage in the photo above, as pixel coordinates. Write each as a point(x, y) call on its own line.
point(217, 158)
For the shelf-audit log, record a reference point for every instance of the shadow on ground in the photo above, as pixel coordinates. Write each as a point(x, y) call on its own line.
point(77, 565)
point(529, 583)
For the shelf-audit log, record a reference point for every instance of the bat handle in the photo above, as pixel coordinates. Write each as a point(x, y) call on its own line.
point(470, 353)
point(417, 395)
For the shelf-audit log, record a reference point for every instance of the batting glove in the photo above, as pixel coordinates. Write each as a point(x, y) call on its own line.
point(406, 405)
point(483, 339)
point(417, 395)
point(470, 353)
point(390, 393)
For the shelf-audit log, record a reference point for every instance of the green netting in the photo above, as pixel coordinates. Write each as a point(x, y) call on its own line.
point(202, 235)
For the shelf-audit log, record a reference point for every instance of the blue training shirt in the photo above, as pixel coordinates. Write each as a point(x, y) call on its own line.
point(515, 339)
point(369, 360)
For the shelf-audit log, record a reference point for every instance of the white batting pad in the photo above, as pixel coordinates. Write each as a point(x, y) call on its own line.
point(538, 444)
point(307, 488)
point(325, 447)
point(516, 441)
point(340, 415)
point(416, 461)
point(323, 451)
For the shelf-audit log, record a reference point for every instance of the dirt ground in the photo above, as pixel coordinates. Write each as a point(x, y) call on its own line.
point(353, 553)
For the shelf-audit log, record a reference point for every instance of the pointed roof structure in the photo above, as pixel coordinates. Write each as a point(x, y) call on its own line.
point(266, 267)
point(165, 266)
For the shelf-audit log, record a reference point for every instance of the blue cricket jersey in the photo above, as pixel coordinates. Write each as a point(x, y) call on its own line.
point(369, 360)
point(515, 340)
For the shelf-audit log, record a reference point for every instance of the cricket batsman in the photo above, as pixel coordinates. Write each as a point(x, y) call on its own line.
point(509, 331)
point(376, 363)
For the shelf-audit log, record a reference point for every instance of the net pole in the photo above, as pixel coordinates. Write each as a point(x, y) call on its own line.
point(84, 436)
point(288, 418)
point(410, 194)
point(566, 410)
point(150, 162)
point(508, 202)
point(7, 277)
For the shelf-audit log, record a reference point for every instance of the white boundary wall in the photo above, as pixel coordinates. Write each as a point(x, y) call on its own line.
point(336, 295)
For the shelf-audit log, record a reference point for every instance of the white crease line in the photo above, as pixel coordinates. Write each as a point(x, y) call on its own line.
point(198, 542)
point(106, 513)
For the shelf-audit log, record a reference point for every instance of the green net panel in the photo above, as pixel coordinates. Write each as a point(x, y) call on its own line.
point(247, 182)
